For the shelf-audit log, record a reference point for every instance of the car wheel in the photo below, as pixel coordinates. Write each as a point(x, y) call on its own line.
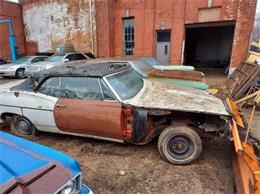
point(20, 73)
point(179, 145)
point(22, 127)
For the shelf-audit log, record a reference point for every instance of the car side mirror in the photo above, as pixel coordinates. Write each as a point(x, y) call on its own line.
point(66, 60)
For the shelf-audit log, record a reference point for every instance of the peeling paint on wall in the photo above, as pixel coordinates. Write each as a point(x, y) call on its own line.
point(48, 23)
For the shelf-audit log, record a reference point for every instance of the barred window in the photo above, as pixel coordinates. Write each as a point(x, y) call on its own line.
point(128, 35)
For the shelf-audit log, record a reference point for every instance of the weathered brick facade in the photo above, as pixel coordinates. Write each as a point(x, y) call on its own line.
point(97, 24)
point(48, 23)
point(152, 15)
point(9, 10)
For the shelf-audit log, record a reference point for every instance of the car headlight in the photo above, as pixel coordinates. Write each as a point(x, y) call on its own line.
point(71, 187)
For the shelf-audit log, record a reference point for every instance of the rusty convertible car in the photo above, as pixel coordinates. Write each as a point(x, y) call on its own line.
point(111, 101)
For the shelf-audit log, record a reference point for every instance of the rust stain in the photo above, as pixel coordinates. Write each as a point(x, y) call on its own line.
point(189, 75)
point(16, 94)
point(90, 117)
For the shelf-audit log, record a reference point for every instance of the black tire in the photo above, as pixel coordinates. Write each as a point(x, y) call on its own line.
point(21, 126)
point(20, 74)
point(179, 145)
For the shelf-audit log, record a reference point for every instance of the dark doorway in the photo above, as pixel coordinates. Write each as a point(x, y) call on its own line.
point(163, 46)
point(209, 47)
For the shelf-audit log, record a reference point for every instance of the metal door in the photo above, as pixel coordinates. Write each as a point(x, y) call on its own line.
point(163, 46)
point(90, 117)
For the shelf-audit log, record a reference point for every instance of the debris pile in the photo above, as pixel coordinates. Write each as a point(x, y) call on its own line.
point(245, 78)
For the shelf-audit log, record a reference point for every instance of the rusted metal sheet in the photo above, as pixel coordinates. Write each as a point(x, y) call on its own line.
point(189, 75)
point(242, 78)
point(50, 22)
point(56, 175)
point(91, 117)
point(158, 95)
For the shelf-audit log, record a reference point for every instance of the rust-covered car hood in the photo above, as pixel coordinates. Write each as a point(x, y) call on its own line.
point(157, 95)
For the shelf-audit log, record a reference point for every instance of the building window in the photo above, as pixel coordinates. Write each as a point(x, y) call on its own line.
point(128, 36)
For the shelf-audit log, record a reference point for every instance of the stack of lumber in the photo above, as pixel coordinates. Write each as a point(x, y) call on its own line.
point(242, 79)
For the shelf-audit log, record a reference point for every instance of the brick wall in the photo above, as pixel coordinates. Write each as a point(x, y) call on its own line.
point(152, 15)
point(244, 24)
point(9, 10)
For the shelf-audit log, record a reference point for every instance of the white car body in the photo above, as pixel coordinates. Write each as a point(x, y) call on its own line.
point(39, 108)
point(29, 70)
point(10, 70)
point(35, 106)
point(110, 101)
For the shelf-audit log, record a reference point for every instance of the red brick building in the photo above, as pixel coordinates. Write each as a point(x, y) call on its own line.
point(204, 33)
point(13, 11)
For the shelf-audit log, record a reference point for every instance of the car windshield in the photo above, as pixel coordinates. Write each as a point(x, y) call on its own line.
point(55, 58)
point(126, 84)
point(22, 60)
point(142, 67)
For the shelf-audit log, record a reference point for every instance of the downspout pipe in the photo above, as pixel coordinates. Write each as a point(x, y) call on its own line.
point(12, 40)
point(91, 25)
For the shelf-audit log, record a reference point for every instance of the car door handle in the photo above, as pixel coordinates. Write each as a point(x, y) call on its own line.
point(60, 105)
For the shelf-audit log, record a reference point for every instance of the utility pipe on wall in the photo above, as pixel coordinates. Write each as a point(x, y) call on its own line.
point(12, 40)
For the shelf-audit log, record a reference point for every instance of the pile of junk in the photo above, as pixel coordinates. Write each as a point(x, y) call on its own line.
point(244, 91)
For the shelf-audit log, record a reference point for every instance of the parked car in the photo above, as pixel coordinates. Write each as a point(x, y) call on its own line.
point(57, 59)
point(16, 69)
point(31, 168)
point(193, 79)
point(111, 101)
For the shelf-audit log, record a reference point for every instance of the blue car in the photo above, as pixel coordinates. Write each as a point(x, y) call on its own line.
point(27, 167)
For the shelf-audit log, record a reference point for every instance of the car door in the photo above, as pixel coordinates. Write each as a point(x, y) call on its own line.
point(84, 109)
point(38, 106)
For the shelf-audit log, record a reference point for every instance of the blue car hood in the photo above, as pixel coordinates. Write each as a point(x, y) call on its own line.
point(20, 157)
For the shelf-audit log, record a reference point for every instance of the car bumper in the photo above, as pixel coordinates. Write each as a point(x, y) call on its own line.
point(7, 73)
point(85, 190)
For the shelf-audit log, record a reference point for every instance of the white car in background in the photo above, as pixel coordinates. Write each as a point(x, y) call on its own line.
point(57, 59)
point(17, 69)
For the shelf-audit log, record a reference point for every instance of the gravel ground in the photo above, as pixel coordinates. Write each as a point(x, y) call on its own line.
point(145, 171)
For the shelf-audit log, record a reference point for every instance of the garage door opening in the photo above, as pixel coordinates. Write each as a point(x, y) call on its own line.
point(209, 47)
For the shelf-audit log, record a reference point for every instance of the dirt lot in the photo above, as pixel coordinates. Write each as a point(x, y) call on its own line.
point(145, 171)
